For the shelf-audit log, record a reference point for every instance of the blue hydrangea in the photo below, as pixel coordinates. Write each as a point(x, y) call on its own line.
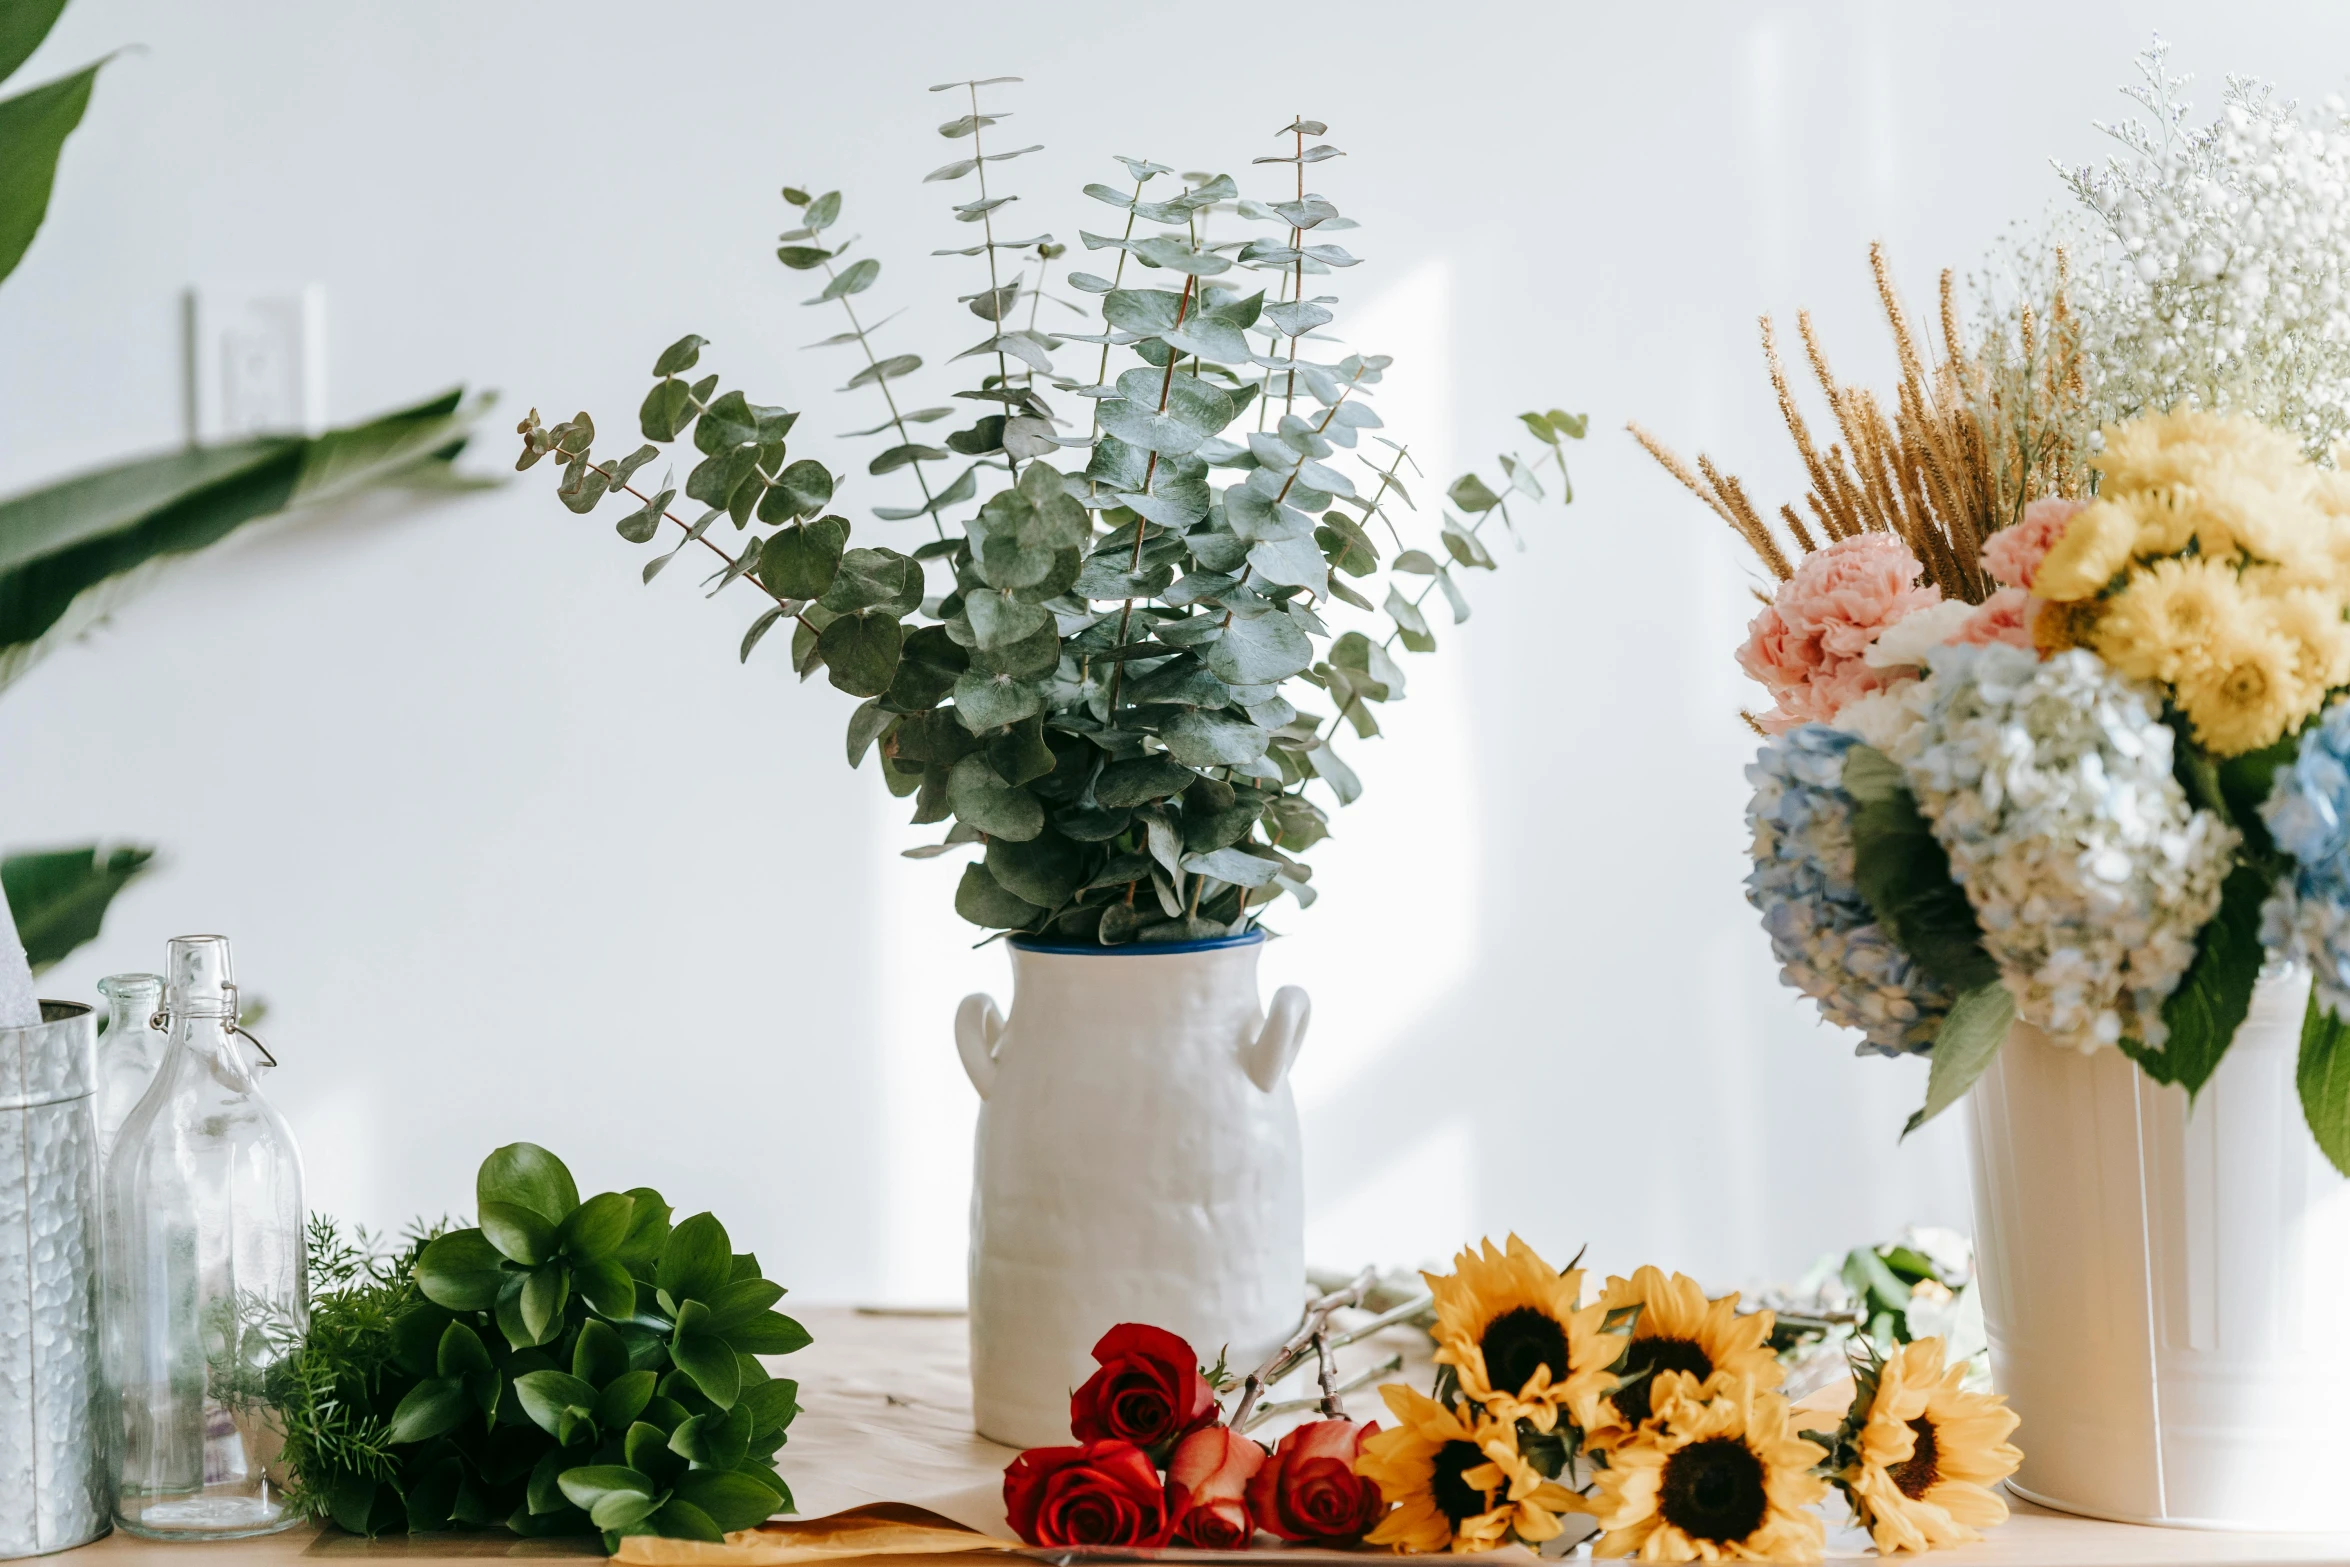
point(2307, 918)
point(1828, 944)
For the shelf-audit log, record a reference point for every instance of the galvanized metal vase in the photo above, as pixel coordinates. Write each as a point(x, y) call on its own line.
point(53, 1483)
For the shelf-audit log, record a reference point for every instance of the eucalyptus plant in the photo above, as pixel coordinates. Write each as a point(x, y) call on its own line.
point(563, 1367)
point(1167, 536)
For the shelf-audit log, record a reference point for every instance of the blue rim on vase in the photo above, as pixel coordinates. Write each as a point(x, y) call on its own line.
point(1137, 948)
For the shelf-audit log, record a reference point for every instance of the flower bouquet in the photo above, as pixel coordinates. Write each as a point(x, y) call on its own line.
point(1649, 1417)
point(2056, 746)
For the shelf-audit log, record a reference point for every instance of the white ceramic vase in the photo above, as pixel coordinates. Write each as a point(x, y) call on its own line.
point(2168, 1291)
point(1137, 1161)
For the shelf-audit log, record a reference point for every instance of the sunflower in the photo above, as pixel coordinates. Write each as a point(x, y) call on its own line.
point(2163, 624)
point(1714, 1475)
point(1927, 1454)
point(1678, 1330)
point(1457, 1479)
point(1508, 1325)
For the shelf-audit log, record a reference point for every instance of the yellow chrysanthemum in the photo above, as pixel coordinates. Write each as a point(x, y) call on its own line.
point(1715, 1475)
point(1678, 1329)
point(2247, 690)
point(2096, 545)
point(2166, 621)
point(1929, 1454)
point(2180, 447)
point(1457, 1480)
point(1509, 1325)
point(2167, 519)
point(2313, 621)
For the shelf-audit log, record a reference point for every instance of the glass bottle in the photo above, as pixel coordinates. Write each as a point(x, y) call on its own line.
point(205, 1289)
point(130, 1049)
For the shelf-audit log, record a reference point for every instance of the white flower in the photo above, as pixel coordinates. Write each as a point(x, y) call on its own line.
point(1883, 717)
point(2049, 785)
point(1905, 643)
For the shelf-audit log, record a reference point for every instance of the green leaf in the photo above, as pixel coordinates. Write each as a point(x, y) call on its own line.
point(801, 490)
point(2215, 993)
point(1259, 652)
point(462, 1271)
point(597, 1227)
point(1237, 866)
point(738, 1302)
point(977, 794)
point(875, 579)
point(801, 258)
point(697, 1260)
point(854, 278)
point(1044, 870)
point(547, 1395)
point(772, 1403)
point(1970, 1036)
point(431, 1408)
point(648, 1227)
point(623, 1399)
point(23, 24)
point(527, 1176)
point(517, 1232)
point(613, 1495)
point(801, 561)
point(1204, 739)
point(771, 1332)
point(1904, 875)
point(70, 551)
point(982, 900)
point(1140, 780)
point(860, 652)
point(603, 1282)
point(599, 1355)
point(731, 1500)
point(461, 1352)
point(719, 1439)
point(678, 1520)
point(709, 1360)
point(1470, 494)
point(2323, 1076)
point(991, 699)
point(33, 129)
point(544, 1291)
point(60, 896)
point(681, 355)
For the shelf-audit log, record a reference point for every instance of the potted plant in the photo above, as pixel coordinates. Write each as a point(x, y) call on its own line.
point(2053, 791)
point(1125, 611)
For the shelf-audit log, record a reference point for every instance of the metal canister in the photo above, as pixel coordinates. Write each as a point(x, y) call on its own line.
point(53, 1491)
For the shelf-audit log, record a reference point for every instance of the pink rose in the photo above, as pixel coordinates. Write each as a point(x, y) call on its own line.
point(2006, 616)
point(1207, 1486)
point(1807, 647)
point(2014, 554)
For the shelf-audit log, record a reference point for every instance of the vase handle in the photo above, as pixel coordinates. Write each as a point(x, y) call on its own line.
point(978, 1028)
point(1268, 1056)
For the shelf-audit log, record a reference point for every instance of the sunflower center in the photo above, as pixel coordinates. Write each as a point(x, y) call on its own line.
point(1655, 1356)
point(1455, 1497)
point(1916, 1474)
point(1520, 1342)
point(1713, 1490)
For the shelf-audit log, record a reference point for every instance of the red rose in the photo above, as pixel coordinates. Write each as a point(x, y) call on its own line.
point(1148, 1390)
point(1104, 1493)
point(1207, 1485)
point(1309, 1491)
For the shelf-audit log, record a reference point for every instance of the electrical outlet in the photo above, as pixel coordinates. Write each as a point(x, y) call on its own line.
point(254, 360)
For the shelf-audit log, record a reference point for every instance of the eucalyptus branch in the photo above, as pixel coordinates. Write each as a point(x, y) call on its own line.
point(1003, 372)
point(897, 420)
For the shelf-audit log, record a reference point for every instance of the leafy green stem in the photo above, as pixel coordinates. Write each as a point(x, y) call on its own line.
point(897, 420)
point(1003, 371)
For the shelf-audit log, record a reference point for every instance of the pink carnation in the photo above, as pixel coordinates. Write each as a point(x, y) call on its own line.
point(1807, 647)
point(2014, 554)
point(2006, 616)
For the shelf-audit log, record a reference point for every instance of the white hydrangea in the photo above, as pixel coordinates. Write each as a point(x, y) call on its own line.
point(2226, 284)
point(2050, 787)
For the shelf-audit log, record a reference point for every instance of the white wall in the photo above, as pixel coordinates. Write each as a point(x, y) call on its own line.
point(514, 849)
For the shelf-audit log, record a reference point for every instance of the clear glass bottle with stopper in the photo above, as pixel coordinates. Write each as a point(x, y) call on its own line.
point(129, 1051)
point(204, 1285)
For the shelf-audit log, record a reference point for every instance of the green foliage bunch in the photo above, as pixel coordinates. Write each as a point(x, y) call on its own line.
point(1165, 549)
point(563, 1368)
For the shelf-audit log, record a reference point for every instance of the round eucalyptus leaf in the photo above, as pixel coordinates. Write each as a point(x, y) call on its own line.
point(860, 651)
point(977, 794)
point(982, 900)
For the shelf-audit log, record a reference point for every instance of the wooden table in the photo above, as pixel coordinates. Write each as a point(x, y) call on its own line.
point(887, 1417)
